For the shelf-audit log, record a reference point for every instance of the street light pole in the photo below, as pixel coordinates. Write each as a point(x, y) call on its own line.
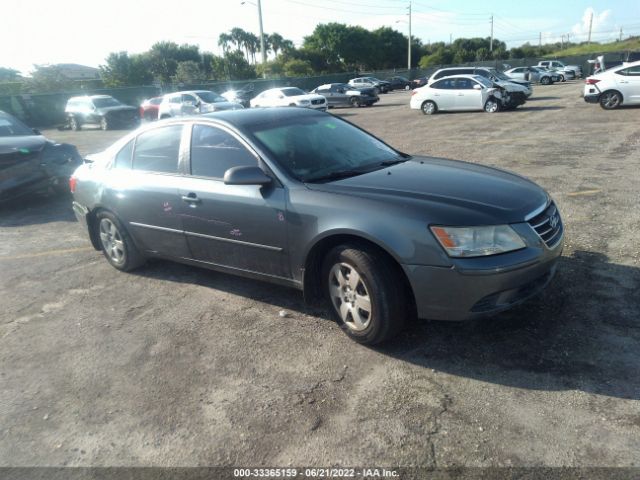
point(262, 49)
point(409, 46)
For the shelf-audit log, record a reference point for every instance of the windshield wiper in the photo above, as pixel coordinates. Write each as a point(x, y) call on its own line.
point(338, 174)
point(388, 163)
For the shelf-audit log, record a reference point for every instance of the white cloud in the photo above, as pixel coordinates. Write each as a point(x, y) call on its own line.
point(601, 22)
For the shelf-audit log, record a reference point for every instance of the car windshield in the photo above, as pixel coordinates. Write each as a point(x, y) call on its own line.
point(323, 148)
point(483, 81)
point(105, 102)
point(210, 97)
point(292, 92)
point(500, 75)
point(10, 127)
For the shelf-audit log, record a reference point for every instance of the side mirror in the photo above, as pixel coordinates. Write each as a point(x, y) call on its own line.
point(246, 176)
point(280, 96)
point(477, 87)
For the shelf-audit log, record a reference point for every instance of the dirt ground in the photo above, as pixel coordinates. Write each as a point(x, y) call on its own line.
point(178, 366)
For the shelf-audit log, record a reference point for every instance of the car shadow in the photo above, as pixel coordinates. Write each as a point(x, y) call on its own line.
point(582, 333)
point(541, 108)
point(36, 209)
point(532, 98)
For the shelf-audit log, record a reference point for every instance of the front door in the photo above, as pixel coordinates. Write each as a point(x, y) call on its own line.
point(236, 226)
point(468, 97)
point(629, 81)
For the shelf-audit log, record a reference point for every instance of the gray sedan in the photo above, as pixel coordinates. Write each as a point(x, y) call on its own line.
point(308, 200)
point(533, 74)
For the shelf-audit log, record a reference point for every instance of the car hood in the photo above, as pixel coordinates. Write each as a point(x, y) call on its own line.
point(512, 86)
point(26, 144)
point(454, 192)
point(308, 96)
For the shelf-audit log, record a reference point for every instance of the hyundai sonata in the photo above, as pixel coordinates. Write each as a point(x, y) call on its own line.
point(308, 200)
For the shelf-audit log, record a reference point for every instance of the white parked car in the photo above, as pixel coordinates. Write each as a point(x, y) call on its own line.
point(193, 102)
point(463, 92)
point(289, 97)
point(614, 87)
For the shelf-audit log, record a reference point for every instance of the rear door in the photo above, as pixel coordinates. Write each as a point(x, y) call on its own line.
point(443, 94)
point(241, 227)
point(338, 95)
point(628, 79)
point(142, 189)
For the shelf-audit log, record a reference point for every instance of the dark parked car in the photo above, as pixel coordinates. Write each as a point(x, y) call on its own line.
point(400, 83)
point(344, 95)
point(101, 110)
point(30, 163)
point(305, 199)
point(149, 109)
point(420, 82)
point(242, 96)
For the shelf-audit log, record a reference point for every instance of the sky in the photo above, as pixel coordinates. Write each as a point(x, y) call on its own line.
point(86, 31)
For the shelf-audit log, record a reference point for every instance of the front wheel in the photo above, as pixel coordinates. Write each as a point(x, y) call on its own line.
point(407, 87)
point(117, 246)
point(74, 124)
point(354, 101)
point(104, 123)
point(365, 293)
point(610, 100)
point(562, 79)
point(545, 81)
point(492, 105)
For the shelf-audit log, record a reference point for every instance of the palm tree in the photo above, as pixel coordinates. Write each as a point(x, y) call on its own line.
point(237, 37)
point(252, 44)
point(224, 40)
point(275, 40)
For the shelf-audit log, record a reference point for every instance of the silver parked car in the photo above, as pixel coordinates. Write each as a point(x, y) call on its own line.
point(533, 74)
point(193, 102)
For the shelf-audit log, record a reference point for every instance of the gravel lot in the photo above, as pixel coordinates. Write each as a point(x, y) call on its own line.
point(177, 366)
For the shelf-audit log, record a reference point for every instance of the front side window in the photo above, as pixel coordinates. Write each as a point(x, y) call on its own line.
point(445, 84)
point(157, 150)
point(214, 151)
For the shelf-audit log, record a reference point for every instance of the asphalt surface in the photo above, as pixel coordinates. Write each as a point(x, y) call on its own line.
point(176, 366)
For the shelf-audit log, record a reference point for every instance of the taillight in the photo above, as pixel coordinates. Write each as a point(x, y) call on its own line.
point(591, 81)
point(413, 92)
point(72, 183)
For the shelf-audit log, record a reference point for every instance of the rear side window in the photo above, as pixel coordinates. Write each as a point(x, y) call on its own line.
point(123, 158)
point(157, 150)
point(214, 151)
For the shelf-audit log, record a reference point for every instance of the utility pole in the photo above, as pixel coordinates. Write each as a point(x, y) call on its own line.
point(620, 39)
point(450, 38)
point(590, 25)
point(409, 46)
point(262, 49)
point(540, 42)
point(491, 41)
point(562, 42)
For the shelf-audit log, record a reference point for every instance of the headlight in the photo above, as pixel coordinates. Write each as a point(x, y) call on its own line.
point(478, 241)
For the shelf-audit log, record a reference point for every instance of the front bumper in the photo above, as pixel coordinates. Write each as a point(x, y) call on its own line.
point(463, 293)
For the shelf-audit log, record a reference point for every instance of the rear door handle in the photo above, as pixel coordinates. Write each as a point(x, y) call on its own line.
point(191, 198)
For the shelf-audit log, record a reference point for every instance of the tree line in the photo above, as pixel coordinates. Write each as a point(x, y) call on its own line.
point(331, 48)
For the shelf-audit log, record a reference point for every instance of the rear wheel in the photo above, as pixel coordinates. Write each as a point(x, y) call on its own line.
point(117, 246)
point(492, 105)
point(545, 80)
point(610, 100)
point(74, 124)
point(562, 79)
point(429, 107)
point(365, 293)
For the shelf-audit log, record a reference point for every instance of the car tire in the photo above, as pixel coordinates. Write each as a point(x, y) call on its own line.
point(354, 101)
point(562, 79)
point(492, 105)
point(74, 124)
point(104, 123)
point(545, 81)
point(407, 88)
point(117, 246)
point(365, 293)
point(610, 99)
point(428, 107)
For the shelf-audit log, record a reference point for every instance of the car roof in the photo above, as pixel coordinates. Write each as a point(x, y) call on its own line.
point(463, 75)
point(251, 116)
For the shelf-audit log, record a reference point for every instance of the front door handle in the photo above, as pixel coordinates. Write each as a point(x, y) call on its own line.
point(191, 198)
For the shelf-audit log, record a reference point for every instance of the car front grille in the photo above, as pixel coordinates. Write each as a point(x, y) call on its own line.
point(317, 102)
point(548, 225)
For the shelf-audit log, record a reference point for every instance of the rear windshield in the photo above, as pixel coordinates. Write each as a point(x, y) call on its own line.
point(210, 97)
point(292, 92)
point(105, 102)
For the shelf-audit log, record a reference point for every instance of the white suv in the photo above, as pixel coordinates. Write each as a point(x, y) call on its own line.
point(614, 87)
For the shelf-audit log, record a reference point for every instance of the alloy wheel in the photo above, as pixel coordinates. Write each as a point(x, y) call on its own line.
point(111, 240)
point(350, 296)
